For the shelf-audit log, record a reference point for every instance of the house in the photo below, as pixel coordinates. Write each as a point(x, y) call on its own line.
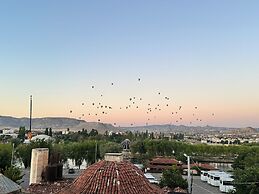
point(112, 175)
point(196, 167)
point(7, 186)
point(159, 164)
point(42, 137)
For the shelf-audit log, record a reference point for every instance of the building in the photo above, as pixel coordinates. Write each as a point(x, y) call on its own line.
point(42, 137)
point(8, 133)
point(159, 164)
point(112, 175)
point(201, 166)
point(7, 186)
point(196, 168)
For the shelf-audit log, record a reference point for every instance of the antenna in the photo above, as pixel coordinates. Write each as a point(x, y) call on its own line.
point(30, 111)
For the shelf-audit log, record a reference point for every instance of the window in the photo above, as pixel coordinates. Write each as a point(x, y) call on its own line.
point(227, 183)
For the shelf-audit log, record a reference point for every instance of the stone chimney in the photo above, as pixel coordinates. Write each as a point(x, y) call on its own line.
point(113, 157)
point(39, 160)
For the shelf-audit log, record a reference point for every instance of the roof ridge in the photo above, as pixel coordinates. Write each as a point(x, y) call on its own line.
point(118, 178)
point(7, 185)
point(111, 177)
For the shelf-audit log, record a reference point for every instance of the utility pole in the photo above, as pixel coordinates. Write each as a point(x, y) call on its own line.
point(30, 111)
point(12, 155)
point(189, 174)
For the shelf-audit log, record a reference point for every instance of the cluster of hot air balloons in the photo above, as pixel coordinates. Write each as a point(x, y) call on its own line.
point(150, 111)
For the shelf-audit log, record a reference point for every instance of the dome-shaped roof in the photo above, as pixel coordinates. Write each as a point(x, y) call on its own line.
point(41, 137)
point(126, 140)
point(111, 177)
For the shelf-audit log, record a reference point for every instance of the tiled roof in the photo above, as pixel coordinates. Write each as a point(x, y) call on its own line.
point(48, 187)
point(206, 166)
point(200, 165)
point(162, 160)
point(108, 177)
point(7, 185)
point(163, 167)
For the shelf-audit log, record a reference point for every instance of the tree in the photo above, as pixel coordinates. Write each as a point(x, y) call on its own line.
point(50, 132)
point(92, 152)
point(93, 132)
point(110, 147)
point(246, 172)
point(247, 181)
point(76, 152)
point(14, 173)
point(152, 135)
point(60, 149)
point(173, 178)
point(16, 142)
point(46, 131)
point(24, 150)
point(24, 153)
point(139, 146)
point(5, 156)
point(84, 132)
point(21, 134)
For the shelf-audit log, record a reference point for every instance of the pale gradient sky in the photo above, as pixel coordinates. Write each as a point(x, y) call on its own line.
point(198, 53)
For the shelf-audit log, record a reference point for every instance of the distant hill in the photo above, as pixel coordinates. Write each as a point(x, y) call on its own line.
point(192, 129)
point(56, 123)
point(177, 129)
point(59, 123)
point(247, 130)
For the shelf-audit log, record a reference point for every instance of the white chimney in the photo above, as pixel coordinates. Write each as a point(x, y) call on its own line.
point(113, 157)
point(39, 160)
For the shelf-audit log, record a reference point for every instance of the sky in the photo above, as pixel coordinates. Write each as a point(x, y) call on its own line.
point(200, 54)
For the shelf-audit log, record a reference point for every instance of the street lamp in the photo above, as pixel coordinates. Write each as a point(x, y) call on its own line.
point(12, 155)
point(189, 173)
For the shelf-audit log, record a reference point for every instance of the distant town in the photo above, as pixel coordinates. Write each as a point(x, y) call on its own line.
point(62, 155)
point(192, 134)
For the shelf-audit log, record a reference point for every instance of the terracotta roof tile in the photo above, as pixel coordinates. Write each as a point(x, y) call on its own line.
point(48, 188)
point(162, 160)
point(201, 165)
point(111, 178)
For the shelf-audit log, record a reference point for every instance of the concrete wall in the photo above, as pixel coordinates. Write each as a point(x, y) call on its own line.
point(113, 157)
point(39, 160)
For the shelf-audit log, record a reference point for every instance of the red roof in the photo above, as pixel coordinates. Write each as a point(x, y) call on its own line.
point(207, 166)
point(162, 160)
point(47, 187)
point(111, 177)
point(160, 167)
point(200, 165)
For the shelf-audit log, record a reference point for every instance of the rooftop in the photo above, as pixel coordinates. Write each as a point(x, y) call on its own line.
point(41, 137)
point(7, 185)
point(111, 177)
point(164, 160)
point(202, 166)
point(48, 188)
